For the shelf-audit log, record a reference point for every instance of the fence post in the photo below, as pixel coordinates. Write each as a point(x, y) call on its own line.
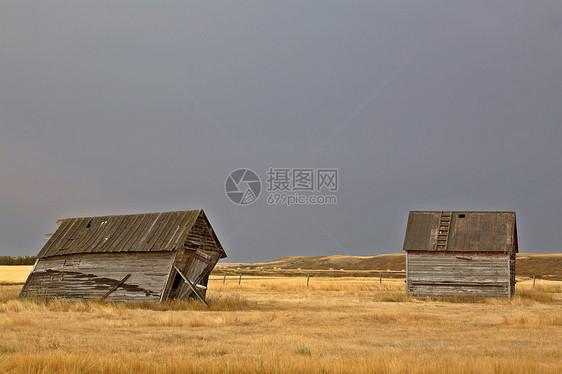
point(307, 279)
point(224, 279)
point(534, 281)
point(380, 277)
point(240, 279)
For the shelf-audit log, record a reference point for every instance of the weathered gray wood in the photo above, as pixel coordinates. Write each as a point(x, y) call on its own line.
point(196, 258)
point(202, 237)
point(442, 273)
point(88, 255)
point(170, 279)
point(509, 284)
point(56, 240)
point(190, 285)
point(162, 224)
point(116, 286)
point(512, 259)
point(407, 276)
point(123, 233)
point(166, 235)
point(88, 276)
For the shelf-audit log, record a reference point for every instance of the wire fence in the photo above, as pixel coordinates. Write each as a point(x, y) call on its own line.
point(373, 276)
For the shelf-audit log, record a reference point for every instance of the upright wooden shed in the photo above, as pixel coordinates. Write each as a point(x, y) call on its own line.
point(157, 256)
point(461, 253)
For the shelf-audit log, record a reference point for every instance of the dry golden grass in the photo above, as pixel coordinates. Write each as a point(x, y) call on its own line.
point(14, 274)
point(272, 325)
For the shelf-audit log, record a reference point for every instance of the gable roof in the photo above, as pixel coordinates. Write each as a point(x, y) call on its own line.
point(467, 231)
point(150, 232)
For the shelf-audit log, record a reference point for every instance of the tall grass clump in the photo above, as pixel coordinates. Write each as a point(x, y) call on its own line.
point(10, 301)
point(6, 349)
point(536, 296)
point(302, 351)
point(216, 303)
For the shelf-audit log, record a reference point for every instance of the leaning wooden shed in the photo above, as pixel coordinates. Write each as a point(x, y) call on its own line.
point(156, 256)
point(461, 253)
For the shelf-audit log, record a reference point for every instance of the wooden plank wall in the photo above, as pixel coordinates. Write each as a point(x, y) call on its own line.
point(196, 259)
point(201, 237)
point(512, 258)
point(198, 271)
point(463, 274)
point(92, 275)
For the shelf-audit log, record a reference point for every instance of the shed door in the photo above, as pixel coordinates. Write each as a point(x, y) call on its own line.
point(198, 268)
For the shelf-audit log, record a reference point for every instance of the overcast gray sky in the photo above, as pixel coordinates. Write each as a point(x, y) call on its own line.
point(113, 107)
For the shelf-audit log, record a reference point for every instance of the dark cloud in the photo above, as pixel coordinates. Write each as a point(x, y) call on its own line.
point(109, 108)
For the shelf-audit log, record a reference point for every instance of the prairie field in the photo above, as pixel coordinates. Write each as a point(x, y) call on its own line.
point(278, 324)
point(13, 274)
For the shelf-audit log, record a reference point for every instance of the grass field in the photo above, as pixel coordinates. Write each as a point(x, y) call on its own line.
point(14, 274)
point(278, 324)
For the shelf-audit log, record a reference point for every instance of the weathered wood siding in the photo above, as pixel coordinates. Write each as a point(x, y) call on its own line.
point(92, 275)
point(512, 258)
point(459, 273)
point(199, 268)
point(196, 260)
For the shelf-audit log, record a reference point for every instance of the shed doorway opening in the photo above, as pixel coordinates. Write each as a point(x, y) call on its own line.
point(175, 285)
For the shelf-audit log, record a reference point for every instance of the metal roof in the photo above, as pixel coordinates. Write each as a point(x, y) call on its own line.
point(124, 233)
point(464, 232)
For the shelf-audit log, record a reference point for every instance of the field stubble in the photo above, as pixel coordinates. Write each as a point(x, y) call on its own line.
point(274, 325)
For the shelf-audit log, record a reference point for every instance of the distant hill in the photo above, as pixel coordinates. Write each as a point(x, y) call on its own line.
point(543, 265)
